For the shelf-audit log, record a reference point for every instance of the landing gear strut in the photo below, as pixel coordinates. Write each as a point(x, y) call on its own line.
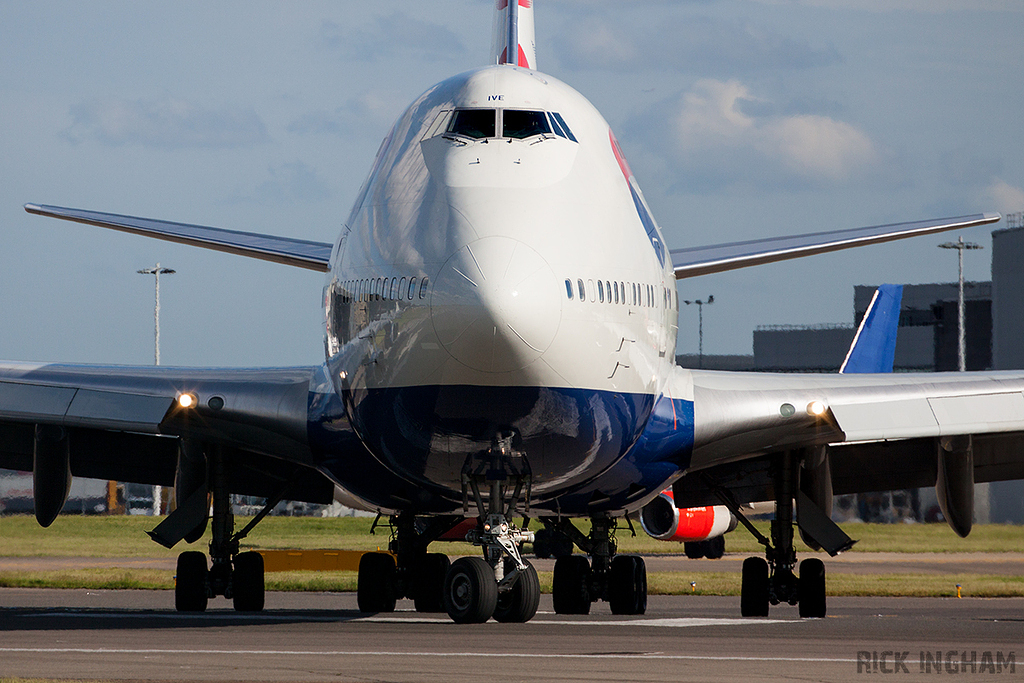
point(408, 570)
point(621, 580)
point(501, 584)
point(772, 580)
point(235, 575)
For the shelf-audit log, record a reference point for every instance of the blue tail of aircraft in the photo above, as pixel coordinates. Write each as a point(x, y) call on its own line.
point(874, 345)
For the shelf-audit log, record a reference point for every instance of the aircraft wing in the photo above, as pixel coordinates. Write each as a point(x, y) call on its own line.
point(883, 431)
point(694, 261)
point(287, 250)
point(126, 423)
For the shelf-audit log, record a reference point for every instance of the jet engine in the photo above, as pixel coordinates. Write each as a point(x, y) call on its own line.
point(661, 519)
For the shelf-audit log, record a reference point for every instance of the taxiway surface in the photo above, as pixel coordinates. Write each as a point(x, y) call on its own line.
point(135, 635)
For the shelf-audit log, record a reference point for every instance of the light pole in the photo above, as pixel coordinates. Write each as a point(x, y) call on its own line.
point(157, 271)
point(700, 326)
point(960, 245)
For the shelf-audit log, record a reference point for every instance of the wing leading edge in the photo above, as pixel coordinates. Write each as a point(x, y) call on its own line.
point(289, 251)
point(694, 261)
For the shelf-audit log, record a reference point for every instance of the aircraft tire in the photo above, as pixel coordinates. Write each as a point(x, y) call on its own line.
point(470, 591)
point(190, 591)
point(376, 590)
point(571, 585)
point(714, 548)
point(430, 578)
point(248, 592)
point(519, 604)
point(694, 550)
point(754, 591)
point(812, 589)
point(542, 544)
point(627, 585)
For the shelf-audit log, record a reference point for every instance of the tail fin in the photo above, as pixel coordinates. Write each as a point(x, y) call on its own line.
point(513, 26)
point(874, 345)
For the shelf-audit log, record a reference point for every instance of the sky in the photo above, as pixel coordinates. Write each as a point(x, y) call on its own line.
point(740, 120)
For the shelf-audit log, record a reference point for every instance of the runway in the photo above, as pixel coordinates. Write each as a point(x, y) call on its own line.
point(135, 635)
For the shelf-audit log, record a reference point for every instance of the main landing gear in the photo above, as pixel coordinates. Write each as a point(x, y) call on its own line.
point(501, 584)
point(772, 580)
point(620, 580)
point(232, 574)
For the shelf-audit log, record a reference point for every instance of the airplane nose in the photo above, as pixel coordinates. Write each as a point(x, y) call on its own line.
point(495, 305)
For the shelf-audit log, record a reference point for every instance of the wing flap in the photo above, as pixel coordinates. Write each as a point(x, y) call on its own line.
point(287, 250)
point(694, 261)
point(984, 413)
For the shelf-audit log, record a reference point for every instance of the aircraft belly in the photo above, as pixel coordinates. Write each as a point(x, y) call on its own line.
point(427, 434)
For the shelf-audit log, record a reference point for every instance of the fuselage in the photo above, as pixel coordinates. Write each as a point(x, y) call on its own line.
point(501, 275)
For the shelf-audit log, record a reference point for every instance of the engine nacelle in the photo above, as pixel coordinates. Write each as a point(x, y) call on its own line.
point(661, 519)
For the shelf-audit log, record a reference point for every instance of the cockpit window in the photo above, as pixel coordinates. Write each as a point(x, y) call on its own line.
point(560, 124)
point(521, 124)
point(473, 123)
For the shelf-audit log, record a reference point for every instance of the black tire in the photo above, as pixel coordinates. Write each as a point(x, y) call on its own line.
point(571, 585)
point(694, 549)
point(812, 589)
point(542, 544)
point(561, 545)
point(470, 592)
point(627, 585)
point(519, 604)
point(247, 582)
point(377, 589)
point(190, 584)
point(714, 548)
point(754, 593)
point(430, 575)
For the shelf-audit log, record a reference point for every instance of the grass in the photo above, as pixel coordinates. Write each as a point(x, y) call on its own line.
point(124, 537)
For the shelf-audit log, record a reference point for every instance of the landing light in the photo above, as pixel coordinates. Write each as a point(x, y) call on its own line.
point(186, 401)
point(816, 408)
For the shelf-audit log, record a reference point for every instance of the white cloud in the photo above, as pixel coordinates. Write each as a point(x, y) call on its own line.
point(165, 123)
point(681, 41)
point(710, 122)
point(1007, 198)
point(818, 144)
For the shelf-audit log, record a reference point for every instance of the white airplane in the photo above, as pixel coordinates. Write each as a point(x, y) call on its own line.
point(500, 324)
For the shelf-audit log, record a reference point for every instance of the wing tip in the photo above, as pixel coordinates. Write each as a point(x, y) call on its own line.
point(34, 208)
point(991, 216)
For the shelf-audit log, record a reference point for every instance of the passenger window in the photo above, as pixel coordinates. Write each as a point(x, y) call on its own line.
point(608, 286)
point(412, 288)
point(401, 289)
point(473, 123)
point(583, 292)
point(394, 288)
point(616, 288)
point(522, 124)
point(590, 288)
point(600, 291)
point(423, 288)
point(568, 288)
